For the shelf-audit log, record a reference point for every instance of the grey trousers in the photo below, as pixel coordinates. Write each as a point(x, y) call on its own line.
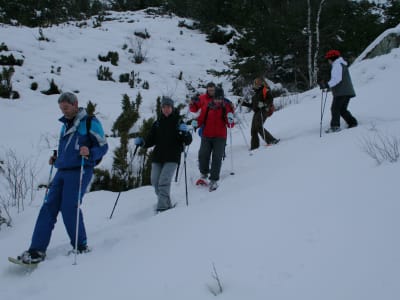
point(161, 178)
point(216, 148)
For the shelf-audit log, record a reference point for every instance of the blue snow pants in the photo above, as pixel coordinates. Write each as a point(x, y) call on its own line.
point(62, 196)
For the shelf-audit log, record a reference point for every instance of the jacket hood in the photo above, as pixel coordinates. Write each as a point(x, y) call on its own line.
point(340, 60)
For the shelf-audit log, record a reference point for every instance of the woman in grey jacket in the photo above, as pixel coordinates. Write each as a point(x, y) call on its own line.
point(342, 91)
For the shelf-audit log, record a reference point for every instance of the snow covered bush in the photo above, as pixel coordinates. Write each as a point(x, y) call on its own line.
point(381, 147)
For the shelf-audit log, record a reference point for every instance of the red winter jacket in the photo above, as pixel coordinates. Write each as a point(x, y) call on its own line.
point(213, 119)
point(204, 99)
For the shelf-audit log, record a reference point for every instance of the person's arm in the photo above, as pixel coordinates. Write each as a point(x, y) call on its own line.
point(336, 75)
point(184, 134)
point(99, 145)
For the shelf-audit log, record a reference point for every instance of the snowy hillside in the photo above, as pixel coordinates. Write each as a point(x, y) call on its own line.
point(310, 218)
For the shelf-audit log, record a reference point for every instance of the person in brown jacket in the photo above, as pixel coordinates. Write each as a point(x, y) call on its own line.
point(262, 106)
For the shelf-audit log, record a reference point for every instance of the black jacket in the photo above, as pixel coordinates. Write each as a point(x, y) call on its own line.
point(258, 101)
point(167, 139)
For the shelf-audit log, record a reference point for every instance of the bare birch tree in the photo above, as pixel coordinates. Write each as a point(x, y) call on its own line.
point(313, 46)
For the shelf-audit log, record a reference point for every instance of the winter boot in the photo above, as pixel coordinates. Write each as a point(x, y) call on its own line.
point(273, 142)
point(213, 185)
point(81, 250)
point(84, 249)
point(31, 257)
point(332, 129)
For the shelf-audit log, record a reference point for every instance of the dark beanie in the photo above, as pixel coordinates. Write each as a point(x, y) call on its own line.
point(210, 84)
point(219, 93)
point(167, 101)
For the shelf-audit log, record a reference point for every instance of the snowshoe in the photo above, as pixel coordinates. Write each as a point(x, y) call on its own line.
point(332, 129)
point(273, 142)
point(81, 250)
point(29, 258)
point(160, 210)
point(202, 182)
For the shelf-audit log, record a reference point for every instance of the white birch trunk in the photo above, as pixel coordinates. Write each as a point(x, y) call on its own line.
point(316, 53)
point(309, 52)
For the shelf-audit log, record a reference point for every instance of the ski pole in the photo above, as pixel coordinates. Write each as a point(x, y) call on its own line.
point(177, 171)
point(78, 206)
point(244, 136)
point(50, 175)
point(323, 102)
point(184, 165)
point(230, 138)
point(119, 193)
point(262, 124)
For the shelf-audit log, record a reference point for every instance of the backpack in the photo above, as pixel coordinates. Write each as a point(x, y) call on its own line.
point(226, 101)
point(271, 108)
point(88, 126)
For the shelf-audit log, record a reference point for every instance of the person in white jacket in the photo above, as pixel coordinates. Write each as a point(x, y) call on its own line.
point(342, 90)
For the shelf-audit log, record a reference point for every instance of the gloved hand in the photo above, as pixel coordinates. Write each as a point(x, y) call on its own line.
point(183, 127)
point(139, 141)
point(323, 85)
point(195, 124)
point(195, 98)
point(230, 117)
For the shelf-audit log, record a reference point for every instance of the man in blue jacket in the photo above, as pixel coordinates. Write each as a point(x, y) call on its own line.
point(75, 142)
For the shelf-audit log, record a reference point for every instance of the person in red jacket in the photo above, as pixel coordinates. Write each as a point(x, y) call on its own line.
point(214, 120)
point(201, 102)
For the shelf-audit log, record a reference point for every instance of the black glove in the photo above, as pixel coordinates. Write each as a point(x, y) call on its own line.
point(323, 85)
point(195, 98)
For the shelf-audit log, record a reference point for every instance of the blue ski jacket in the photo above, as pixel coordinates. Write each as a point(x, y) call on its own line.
point(74, 136)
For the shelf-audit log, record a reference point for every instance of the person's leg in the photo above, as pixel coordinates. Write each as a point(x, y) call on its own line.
point(47, 216)
point(204, 155)
point(155, 175)
point(217, 155)
point(269, 138)
point(337, 103)
point(69, 204)
point(255, 125)
point(346, 114)
point(164, 185)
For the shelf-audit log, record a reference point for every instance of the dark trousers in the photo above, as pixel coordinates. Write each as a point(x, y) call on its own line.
point(339, 109)
point(216, 148)
point(257, 128)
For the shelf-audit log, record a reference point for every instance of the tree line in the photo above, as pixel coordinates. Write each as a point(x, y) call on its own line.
point(283, 40)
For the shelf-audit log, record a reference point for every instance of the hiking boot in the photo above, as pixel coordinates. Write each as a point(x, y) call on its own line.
point(32, 257)
point(160, 210)
point(81, 250)
point(274, 142)
point(352, 125)
point(204, 176)
point(213, 185)
point(84, 249)
point(332, 129)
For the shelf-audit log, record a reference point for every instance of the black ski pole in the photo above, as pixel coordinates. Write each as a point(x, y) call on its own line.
point(50, 175)
point(177, 171)
point(231, 147)
point(119, 193)
point(186, 186)
point(323, 102)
